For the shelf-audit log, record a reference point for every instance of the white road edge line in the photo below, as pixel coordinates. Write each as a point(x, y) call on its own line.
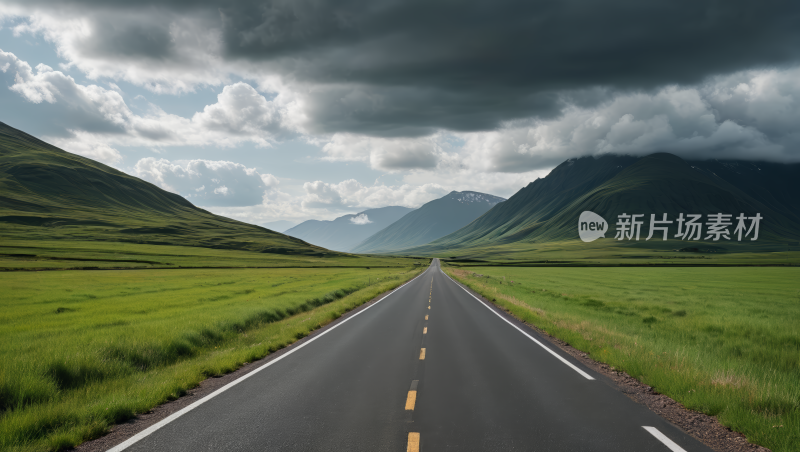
point(149, 430)
point(587, 376)
point(663, 438)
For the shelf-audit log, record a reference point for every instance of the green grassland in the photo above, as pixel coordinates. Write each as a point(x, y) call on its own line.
point(723, 341)
point(82, 350)
point(16, 254)
point(611, 252)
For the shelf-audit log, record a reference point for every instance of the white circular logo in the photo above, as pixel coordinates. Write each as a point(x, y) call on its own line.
point(591, 226)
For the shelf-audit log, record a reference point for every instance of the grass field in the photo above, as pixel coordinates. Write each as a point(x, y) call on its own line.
point(610, 252)
point(82, 350)
point(18, 255)
point(723, 341)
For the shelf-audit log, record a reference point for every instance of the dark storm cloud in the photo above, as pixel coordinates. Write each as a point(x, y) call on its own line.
point(472, 65)
point(401, 68)
point(129, 39)
point(419, 110)
point(540, 46)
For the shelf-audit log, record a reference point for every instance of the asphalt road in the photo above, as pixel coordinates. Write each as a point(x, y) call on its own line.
point(484, 384)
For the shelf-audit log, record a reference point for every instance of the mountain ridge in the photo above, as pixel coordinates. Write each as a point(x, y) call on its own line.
point(431, 221)
point(48, 193)
point(547, 209)
point(347, 231)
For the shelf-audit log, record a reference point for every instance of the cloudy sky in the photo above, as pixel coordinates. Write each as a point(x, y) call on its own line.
point(296, 109)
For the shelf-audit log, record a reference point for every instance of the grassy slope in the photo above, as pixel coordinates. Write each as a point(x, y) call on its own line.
point(533, 204)
point(722, 341)
point(547, 210)
point(46, 193)
point(664, 183)
point(613, 253)
point(77, 358)
point(68, 254)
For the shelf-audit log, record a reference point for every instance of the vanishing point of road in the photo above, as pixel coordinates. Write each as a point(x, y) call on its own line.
point(429, 367)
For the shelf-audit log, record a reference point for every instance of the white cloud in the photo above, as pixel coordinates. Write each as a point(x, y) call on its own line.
point(326, 201)
point(724, 118)
point(241, 111)
point(763, 100)
point(206, 182)
point(351, 194)
point(269, 180)
point(98, 119)
point(461, 178)
point(47, 85)
point(360, 219)
point(164, 50)
point(452, 166)
point(387, 154)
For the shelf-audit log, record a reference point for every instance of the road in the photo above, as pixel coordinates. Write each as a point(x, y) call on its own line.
point(429, 367)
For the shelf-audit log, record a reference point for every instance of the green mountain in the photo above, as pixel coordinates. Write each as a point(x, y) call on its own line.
point(547, 210)
point(511, 220)
point(47, 193)
point(345, 232)
point(431, 221)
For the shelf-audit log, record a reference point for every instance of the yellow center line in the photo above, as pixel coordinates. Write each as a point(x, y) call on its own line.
point(411, 400)
point(422, 354)
point(426, 317)
point(429, 306)
point(412, 395)
point(413, 442)
point(425, 330)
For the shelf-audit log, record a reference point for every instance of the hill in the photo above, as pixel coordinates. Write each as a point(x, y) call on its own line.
point(547, 210)
point(345, 232)
point(49, 194)
point(279, 226)
point(431, 221)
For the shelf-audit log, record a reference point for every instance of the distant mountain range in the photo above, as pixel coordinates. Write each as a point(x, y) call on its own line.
point(430, 222)
point(344, 233)
point(47, 194)
point(548, 209)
